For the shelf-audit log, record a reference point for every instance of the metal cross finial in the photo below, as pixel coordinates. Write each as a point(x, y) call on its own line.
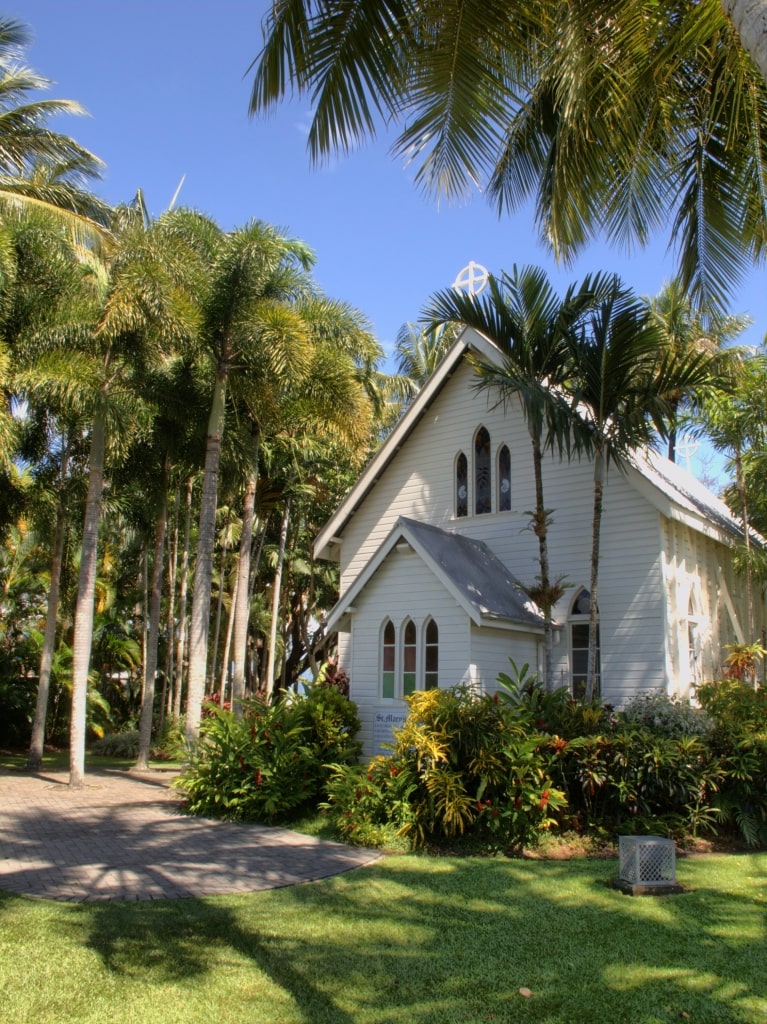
point(687, 448)
point(472, 279)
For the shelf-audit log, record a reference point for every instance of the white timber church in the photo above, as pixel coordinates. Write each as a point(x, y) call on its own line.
point(435, 536)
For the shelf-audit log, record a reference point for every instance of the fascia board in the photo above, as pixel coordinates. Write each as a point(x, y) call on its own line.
point(326, 544)
point(671, 509)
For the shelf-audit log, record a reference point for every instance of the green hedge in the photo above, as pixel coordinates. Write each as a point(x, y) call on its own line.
point(272, 761)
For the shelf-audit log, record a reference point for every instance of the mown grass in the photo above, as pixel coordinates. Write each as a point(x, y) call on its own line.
point(413, 939)
point(58, 761)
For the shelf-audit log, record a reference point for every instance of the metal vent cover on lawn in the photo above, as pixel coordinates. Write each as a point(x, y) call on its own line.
point(647, 860)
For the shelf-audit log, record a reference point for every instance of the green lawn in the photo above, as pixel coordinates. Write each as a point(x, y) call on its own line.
point(411, 940)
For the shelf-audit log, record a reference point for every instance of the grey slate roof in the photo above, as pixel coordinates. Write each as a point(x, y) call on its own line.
point(475, 573)
point(687, 491)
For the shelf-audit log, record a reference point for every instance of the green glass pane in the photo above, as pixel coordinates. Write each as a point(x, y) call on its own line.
point(409, 683)
point(431, 680)
point(387, 686)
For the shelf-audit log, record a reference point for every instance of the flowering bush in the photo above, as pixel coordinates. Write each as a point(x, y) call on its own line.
point(739, 738)
point(273, 760)
point(461, 764)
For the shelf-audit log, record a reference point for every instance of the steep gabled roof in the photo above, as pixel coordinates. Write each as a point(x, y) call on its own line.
point(671, 489)
point(681, 496)
point(467, 341)
point(468, 570)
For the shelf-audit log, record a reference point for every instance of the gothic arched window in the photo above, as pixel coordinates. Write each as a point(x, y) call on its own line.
point(461, 485)
point(482, 473)
point(580, 612)
point(504, 478)
point(431, 656)
point(388, 660)
point(409, 658)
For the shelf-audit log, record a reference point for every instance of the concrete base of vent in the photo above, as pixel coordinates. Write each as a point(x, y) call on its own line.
point(665, 889)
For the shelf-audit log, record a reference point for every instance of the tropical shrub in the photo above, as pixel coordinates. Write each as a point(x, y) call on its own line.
point(167, 746)
point(739, 739)
point(462, 764)
point(272, 761)
point(666, 716)
point(736, 710)
point(117, 744)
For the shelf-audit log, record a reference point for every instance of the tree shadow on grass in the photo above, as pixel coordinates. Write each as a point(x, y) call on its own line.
point(455, 940)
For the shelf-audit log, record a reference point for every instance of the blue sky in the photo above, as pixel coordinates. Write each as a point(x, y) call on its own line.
point(166, 87)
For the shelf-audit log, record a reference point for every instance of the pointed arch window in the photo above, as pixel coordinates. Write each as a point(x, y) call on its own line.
point(431, 656)
point(409, 658)
point(504, 479)
point(388, 660)
point(693, 638)
point(461, 485)
point(580, 612)
point(482, 473)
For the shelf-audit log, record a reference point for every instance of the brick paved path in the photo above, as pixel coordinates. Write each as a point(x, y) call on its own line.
point(122, 838)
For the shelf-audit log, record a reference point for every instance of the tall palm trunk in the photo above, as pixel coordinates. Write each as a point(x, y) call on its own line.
point(226, 650)
point(181, 637)
point(170, 668)
point(144, 615)
point(740, 483)
point(37, 741)
point(153, 633)
point(219, 607)
point(545, 597)
point(600, 467)
point(203, 575)
point(242, 599)
point(276, 588)
point(83, 636)
point(750, 20)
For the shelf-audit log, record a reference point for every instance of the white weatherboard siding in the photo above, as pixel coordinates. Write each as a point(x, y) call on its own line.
point(669, 599)
point(402, 588)
point(491, 650)
point(705, 594)
point(418, 482)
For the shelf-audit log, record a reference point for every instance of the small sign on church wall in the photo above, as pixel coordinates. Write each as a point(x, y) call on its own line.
point(384, 724)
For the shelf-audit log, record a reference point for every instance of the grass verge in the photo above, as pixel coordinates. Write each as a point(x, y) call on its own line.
point(413, 939)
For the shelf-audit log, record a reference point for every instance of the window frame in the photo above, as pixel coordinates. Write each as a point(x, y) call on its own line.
point(503, 475)
point(580, 620)
point(461, 468)
point(387, 647)
point(483, 471)
point(413, 651)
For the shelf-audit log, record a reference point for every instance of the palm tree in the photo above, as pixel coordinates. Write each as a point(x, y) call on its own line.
point(750, 21)
point(141, 306)
point(733, 420)
point(532, 326)
point(622, 386)
point(254, 272)
point(43, 292)
point(41, 168)
point(328, 408)
point(167, 449)
point(621, 118)
point(418, 351)
point(683, 331)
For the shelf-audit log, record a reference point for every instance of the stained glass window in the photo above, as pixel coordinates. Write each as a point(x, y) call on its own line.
point(409, 658)
point(504, 479)
point(461, 486)
point(431, 659)
point(482, 472)
point(387, 661)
